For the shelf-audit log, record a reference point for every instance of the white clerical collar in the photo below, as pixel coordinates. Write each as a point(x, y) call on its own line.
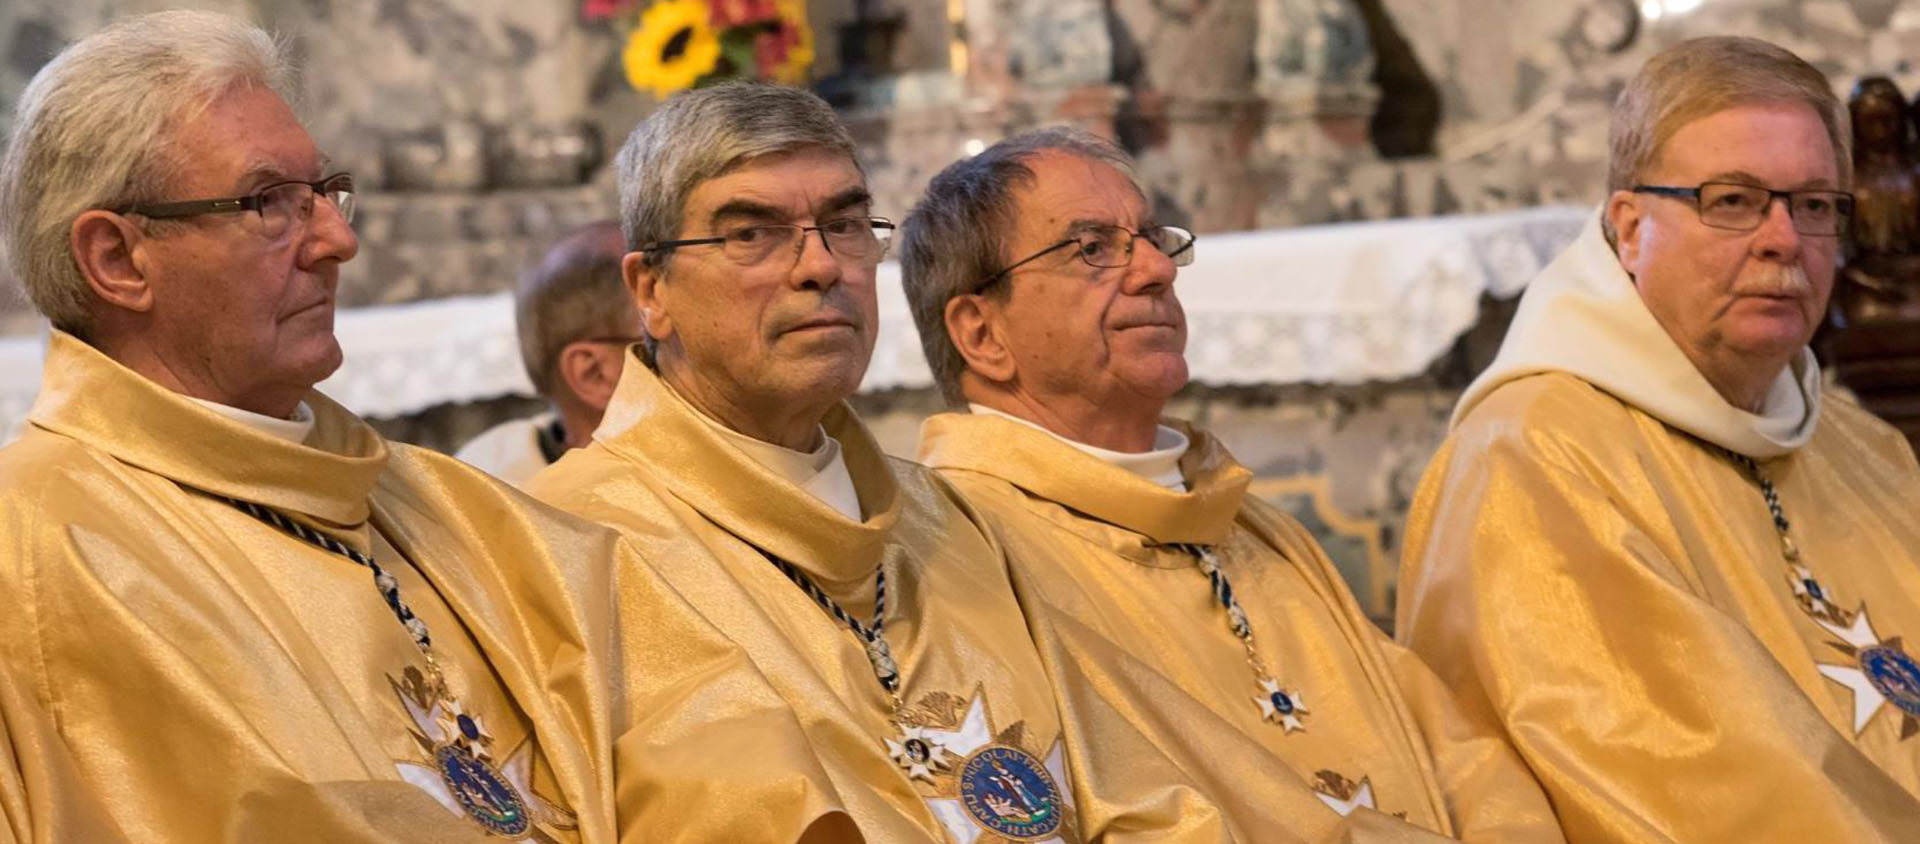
point(294, 430)
point(1160, 465)
point(821, 472)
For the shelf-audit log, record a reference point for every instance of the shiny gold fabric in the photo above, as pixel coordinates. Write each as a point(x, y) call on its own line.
point(179, 671)
point(710, 517)
point(1613, 591)
point(1138, 645)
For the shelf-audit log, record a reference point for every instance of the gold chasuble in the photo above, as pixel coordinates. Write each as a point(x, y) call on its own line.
point(971, 750)
point(1317, 729)
point(196, 645)
point(1593, 559)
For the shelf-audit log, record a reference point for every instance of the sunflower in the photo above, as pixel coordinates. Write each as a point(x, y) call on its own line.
point(672, 48)
point(786, 53)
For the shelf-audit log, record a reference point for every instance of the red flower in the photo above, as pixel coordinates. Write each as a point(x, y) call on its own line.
point(730, 13)
point(599, 10)
point(770, 49)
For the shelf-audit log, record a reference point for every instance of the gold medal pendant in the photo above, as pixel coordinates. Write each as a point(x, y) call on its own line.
point(483, 792)
point(486, 796)
point(918, 751)
point(1281, 706)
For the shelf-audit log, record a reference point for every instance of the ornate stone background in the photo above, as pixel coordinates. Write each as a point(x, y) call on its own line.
point(482, 127)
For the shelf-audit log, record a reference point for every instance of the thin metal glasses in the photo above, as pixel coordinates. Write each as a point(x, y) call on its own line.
point(1106, 247)
point(1742, 208)
point(859, 238)
point(280, 205)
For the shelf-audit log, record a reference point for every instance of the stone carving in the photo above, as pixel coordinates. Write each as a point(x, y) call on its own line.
point(449, 157)
point(1059, 44)
point(542, 156)
point(1312, 46)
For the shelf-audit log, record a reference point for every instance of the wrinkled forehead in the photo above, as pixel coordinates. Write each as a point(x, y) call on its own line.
point(1068, 191)
point(245, 137)
point(791, 182)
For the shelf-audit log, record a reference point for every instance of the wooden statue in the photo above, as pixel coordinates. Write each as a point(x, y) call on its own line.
point(1872, 339)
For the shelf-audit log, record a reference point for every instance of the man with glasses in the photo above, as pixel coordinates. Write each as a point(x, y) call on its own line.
point(1166, 601)
point(1676, 568)
point(858, 583)
point(573, 342)
point(234, 612)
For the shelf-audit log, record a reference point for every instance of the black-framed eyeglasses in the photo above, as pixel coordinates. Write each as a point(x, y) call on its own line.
point(280, 205)
point(1742, 208)
point(1106, 247)
point(858, 238)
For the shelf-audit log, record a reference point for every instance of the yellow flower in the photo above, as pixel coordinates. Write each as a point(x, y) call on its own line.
point(672, 48)
point(797, 37)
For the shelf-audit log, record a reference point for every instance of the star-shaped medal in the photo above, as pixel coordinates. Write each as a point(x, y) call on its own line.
point(1281, 706)
point(458, 727)
point(919, 752)
point(1341, 794)
point(1882, 673)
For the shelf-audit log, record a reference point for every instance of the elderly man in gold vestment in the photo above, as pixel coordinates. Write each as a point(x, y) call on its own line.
point(1675, 568)
point(861, 586)
point(235, 613)
point(1166, 600)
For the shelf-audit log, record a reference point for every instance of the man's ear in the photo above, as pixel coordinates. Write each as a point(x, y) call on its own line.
point(590, 371)
point(643, 282)
point(1626, 212)
point(973, 325)
point(106, 247)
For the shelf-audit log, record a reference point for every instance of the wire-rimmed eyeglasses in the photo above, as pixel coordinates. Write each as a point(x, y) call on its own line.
point(280, 205)
point(1106, 247)
point(859, 238)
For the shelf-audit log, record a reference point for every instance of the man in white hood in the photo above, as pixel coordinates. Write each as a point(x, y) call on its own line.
point(1651, 547)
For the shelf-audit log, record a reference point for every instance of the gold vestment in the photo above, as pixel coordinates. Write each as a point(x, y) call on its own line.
point(179, 670)
point(1614, 591)
point(1130, 626)
point(713, 520)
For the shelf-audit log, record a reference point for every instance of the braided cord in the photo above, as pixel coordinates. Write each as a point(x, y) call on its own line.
point(865, 632)
point(1223, 594)
point(885, 669)
point(389, 588)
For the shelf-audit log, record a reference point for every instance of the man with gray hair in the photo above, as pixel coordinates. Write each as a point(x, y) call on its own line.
point(235, 612)
point(859, 583)
point(1155, 586)
point(573, 339)
point(1675, 567)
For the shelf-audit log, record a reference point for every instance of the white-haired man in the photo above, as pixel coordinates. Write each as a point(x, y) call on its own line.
point(1167, 602)
point(235, 612)
point(1652, 546)
point(859, 583)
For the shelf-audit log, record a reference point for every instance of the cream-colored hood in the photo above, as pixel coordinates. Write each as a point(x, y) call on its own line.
point(1582, 316)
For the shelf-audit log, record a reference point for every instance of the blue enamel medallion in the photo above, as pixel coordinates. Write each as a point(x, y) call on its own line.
point(1895, 675)
point(1007, 791)
point(487, 796)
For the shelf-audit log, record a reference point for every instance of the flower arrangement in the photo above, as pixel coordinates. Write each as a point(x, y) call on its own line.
point(673, 45)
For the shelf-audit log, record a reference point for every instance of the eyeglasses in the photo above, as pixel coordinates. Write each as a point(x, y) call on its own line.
point(280, 205)
point(1742, 208)
point(858, 238)
point(1106, 247)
